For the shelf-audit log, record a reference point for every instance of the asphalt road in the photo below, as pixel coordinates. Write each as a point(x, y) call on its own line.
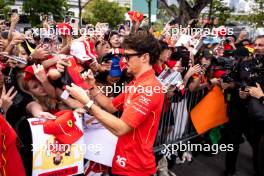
point(214, 165)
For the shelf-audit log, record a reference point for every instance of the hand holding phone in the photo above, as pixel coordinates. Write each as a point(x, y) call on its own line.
point(14, 58)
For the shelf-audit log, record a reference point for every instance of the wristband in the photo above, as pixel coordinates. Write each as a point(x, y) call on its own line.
point(89, 105)
point(2, 111)
point(261, 99)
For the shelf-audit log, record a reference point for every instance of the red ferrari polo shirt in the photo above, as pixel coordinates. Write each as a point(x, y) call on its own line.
point(141, 110)
point(10, 160)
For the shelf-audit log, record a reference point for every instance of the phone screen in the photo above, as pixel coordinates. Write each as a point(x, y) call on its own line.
point(127, 23)
point(50, 18)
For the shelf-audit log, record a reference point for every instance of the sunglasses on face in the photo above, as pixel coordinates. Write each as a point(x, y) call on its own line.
point(128, 56)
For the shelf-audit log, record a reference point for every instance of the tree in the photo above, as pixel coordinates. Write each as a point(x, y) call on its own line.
point(80, 6)
point(105, 12)
point(34, 8)
point(221, 10)
point(255, 17)
point(187, 10)
point(5, 6)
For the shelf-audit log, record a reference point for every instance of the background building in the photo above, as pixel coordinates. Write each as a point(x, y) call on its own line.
point(240, 6)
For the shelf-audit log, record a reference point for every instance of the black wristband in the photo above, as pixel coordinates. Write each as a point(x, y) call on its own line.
point(261, 99)
point(2, 111)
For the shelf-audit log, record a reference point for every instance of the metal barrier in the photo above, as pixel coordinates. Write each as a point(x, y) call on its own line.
point(175, 124)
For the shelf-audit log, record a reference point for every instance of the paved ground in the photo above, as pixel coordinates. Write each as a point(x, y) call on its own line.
point(213, 166)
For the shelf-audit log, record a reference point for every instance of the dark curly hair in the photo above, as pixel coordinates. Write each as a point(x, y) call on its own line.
point(143, 42)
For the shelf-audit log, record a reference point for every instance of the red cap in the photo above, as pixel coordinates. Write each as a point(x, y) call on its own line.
point(83, 50)
point(29, 73)
point(91, 50)
point(171, 63)
point(136, 16)
point(63, 128)
point(218, 73)
point(64, 29)
point(227, 47)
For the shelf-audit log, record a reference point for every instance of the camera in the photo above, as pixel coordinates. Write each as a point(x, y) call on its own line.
point(256, 73)
point(127, 23)
point(227, 41)
point(224, 63)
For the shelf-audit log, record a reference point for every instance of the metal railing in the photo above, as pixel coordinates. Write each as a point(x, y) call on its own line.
point(175, 123)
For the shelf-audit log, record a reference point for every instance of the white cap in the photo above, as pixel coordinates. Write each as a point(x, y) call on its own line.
point(82, 51)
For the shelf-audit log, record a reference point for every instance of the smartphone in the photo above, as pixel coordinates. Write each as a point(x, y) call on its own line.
point(50, 18)
point(121, 27)
point(67, 19)
point(127, 23)
point(19, 59)
point(16, 58)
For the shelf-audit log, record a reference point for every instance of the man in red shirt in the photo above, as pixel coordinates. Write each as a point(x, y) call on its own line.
point(10, 160)
point(141, 104)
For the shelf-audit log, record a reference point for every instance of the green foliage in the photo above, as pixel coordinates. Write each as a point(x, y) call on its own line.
point(105, 12)
point(164, 15)
point(221, 10)
point(257, 17)
point(5, 6)
point(34, 8)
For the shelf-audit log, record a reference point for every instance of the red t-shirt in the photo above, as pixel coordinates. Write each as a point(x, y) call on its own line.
point(141, 110)
point(159, 69)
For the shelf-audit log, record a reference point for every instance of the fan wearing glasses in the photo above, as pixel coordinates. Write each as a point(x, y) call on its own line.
point(138, 125)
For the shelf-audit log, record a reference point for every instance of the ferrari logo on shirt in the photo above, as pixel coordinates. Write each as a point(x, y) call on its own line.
point(69, 122)
point(144, 100)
